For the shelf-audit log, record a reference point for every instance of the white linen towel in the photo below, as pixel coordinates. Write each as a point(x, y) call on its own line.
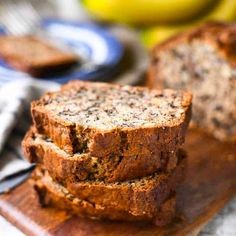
point(15, 98)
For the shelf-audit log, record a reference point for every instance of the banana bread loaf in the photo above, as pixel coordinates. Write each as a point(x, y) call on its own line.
point(202, 61)
point(138, 197)
point(104, 119)
point(52, 194)
point(34, 56)
point(61, 165)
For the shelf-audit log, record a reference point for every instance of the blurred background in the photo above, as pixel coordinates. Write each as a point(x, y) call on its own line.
point(116, 47)
point(156, 20)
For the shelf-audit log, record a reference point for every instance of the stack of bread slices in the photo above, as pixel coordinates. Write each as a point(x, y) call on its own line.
point(108, 151)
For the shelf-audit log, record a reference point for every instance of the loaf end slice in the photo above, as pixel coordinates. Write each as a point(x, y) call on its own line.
point(202, 61)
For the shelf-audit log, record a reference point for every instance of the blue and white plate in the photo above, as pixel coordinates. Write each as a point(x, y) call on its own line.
point(99, 50)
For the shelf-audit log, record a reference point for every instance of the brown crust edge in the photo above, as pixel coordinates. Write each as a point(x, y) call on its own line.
point(61, 165)
point(49, 197)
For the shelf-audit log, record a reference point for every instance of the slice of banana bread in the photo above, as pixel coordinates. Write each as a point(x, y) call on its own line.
point(104, 119)
point(202, 61)
point(138, 197)
point(39, 149)
point(52, 194)
point(34, 56)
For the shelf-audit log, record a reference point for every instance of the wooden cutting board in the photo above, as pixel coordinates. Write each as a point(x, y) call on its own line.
point(210, 183)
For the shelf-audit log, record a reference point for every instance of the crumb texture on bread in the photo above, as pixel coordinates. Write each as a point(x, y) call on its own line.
point(103, 118)
point(106, 107)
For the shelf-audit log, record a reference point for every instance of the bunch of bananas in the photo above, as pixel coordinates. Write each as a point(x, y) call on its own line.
point(167, 17)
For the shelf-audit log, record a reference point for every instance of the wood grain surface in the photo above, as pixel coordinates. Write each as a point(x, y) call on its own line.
point(209, 184)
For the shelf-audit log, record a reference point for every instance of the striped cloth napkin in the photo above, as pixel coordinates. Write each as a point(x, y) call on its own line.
point(15, 98)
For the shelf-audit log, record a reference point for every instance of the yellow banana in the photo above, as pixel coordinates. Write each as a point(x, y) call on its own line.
point(225, 10)
point(146, 11)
